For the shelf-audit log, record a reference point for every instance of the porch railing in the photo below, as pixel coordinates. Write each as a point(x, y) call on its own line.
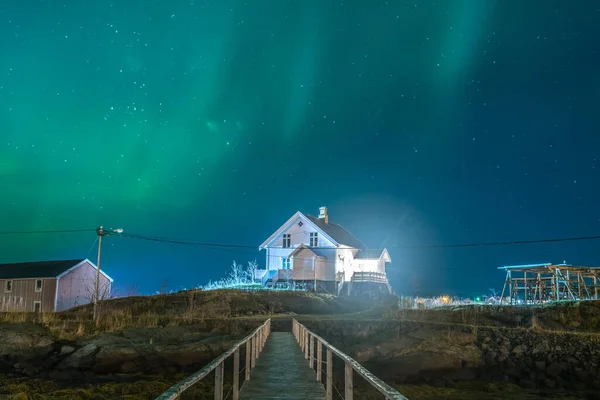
point(376, 277)
point(254, 343)
point(306, 340)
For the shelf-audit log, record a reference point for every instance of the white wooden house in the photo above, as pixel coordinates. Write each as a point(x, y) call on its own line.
point(322, 256)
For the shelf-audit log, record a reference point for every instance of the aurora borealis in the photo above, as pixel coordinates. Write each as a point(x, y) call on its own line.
point(414, 122)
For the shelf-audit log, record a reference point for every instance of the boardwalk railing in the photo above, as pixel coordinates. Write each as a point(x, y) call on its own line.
point(306, 341)
point(254, 344)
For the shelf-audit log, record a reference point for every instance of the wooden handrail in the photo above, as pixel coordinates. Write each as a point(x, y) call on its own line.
point(254, 343)
point(306, 340)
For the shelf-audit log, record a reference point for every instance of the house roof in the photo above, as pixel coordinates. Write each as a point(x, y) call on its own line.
point(369, 254)
point(39, 269)
point(313, 250)
point(333, 232)
point(373, 254)
point(337, 233)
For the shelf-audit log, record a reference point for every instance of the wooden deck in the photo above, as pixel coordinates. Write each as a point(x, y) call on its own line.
point(282, 373)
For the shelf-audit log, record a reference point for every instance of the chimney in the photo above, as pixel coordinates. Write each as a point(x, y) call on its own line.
point(323, 214)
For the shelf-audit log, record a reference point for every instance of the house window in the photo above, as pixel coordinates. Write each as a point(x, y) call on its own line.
point(8, 287)
point(287, 240)
point(37, 306)
point(286, 263)
point(314, 239)
point(38, 285)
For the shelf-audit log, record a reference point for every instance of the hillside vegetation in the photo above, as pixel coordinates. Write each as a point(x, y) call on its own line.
point(189, 307)
point(568, 316)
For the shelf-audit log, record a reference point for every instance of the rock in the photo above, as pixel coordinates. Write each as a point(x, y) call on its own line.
point(519, 349)
point(528, 384)
point(82, 358)
point(540, 366)
point(514, 373)
point(25, 340)
point(554, 369)
point(549, 383)
point(60, 375)
point(581, 375)
point(64, 350)
point(364, 356)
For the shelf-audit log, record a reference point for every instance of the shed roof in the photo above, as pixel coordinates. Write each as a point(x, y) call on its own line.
point(36, 269)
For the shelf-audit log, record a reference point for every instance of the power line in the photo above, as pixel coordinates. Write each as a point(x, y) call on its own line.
point(433, 246)
point(46, 231)
point(506, 243)
point(242, 246)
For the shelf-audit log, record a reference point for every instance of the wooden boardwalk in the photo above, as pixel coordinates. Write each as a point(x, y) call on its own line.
point(282, 373)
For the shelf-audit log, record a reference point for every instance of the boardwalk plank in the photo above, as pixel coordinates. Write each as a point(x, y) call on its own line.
point(282, 373)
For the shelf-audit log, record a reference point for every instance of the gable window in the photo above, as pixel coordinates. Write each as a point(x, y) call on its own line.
point(8, 286)
point(314, 239)
point(286, 263)
point(287, 240)
point(38, 285)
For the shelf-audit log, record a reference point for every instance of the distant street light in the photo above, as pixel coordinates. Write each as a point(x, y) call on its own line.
point(100, 232)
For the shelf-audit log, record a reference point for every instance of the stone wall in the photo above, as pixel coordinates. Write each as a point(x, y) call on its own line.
point(32, 350)
point(409, 351)
point(539, 359)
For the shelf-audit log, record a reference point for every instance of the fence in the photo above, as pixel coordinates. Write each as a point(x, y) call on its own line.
point(254, 343)
point(408, 302)
point(306, 340)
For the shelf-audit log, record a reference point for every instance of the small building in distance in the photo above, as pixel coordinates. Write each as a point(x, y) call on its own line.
point(50, 286)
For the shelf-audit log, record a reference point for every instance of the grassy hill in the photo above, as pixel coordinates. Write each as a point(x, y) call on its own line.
point(192, 307)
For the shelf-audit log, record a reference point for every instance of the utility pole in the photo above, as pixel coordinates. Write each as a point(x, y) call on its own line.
point(100, 232)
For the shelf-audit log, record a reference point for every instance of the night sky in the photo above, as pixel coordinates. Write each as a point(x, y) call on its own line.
point(415, 123)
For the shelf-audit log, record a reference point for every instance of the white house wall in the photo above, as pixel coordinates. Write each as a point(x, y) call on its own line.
point(369, 266)
point(345, 258)
point(298, 235)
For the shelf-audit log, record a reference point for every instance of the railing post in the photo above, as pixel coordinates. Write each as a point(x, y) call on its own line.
point(253, 358)
point(319, 359)
point(263, 334)
point(304, 336)
point(349, 384)
point(311, 350)
point(219, 381)
point(248, 356)
point(306, 345)
point(258, 343)
point(236, 374)
point(329, 377)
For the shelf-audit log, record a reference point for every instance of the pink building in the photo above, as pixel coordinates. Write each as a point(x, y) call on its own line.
point(50, 286)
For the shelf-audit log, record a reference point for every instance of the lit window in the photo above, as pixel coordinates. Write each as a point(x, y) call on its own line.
point(314, 239)
point(287, 240)
point(38, 285)
point(8, 287)
point(286, 263)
